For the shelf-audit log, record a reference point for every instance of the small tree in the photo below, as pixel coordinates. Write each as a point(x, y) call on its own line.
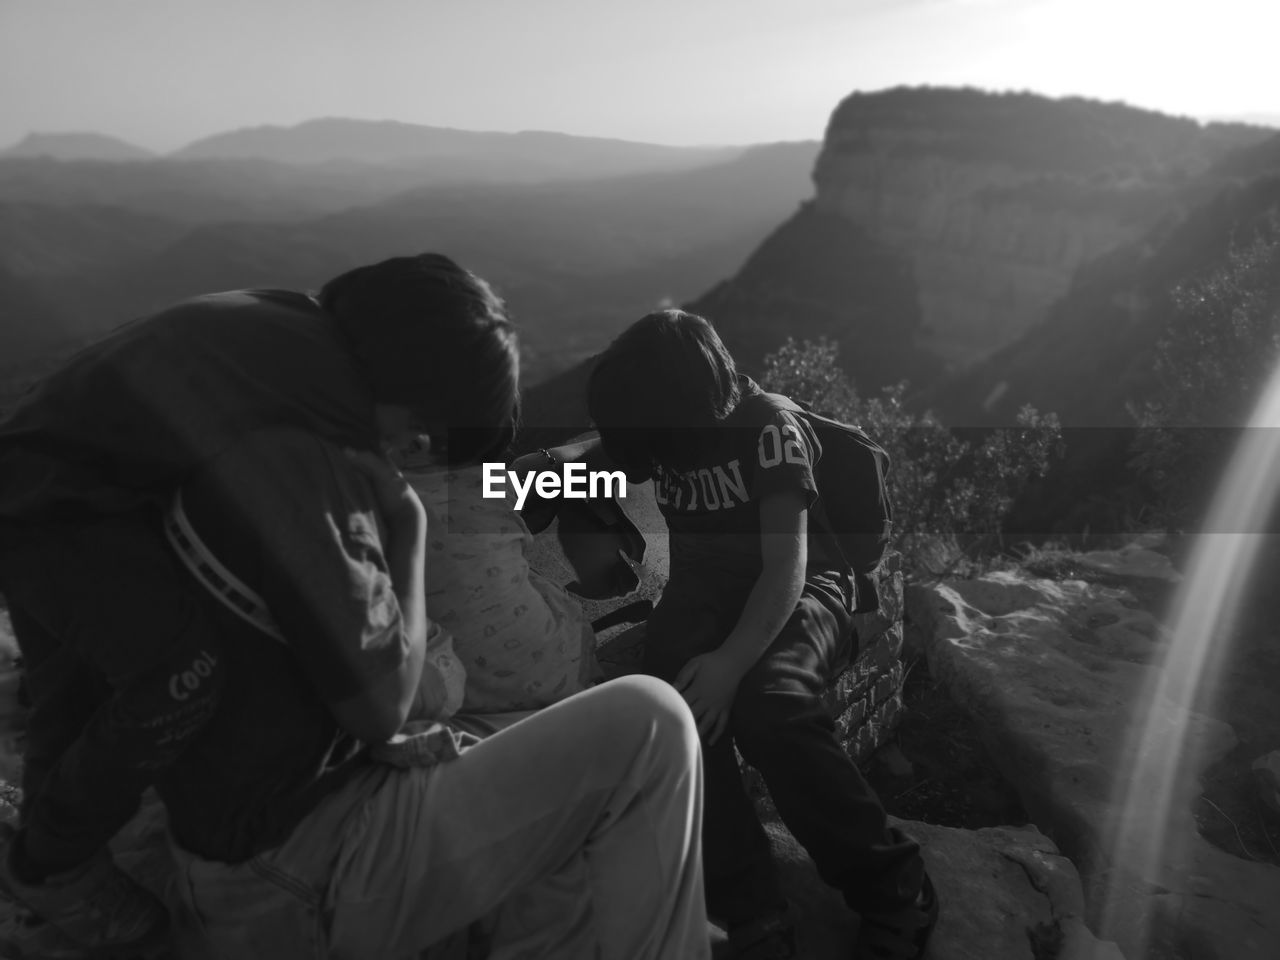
point(1219, 350)
point(947, 489)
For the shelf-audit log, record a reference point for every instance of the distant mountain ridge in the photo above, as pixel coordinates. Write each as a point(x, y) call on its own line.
point(526, 155)
point(992, 233)
point(574, 259)
point(318, 167)
point(75, 146)
point(1256, 119)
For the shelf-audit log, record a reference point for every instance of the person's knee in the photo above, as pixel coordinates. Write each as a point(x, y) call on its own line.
point(647, 697)
point(652, 709)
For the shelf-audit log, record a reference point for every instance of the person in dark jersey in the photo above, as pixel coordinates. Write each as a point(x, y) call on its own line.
point(752, 627)
point(127, 666)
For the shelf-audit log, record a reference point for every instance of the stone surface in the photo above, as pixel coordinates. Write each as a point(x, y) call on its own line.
point(1050, 671)
point(985, 268)
point(991, 248)
point(1267, 769)
point(866, 700)
point(1139, 560)
point(1006, 893)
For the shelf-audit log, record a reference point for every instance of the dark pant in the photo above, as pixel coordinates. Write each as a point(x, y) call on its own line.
point(122, 668)
point(783, 730)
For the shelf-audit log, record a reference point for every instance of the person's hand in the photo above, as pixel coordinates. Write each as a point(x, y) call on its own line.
point(603, 547)
point(708, 684)
point(538, 512)
point(444, 678)
point(396, 500)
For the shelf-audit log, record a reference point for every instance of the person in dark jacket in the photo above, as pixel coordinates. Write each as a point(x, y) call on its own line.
point(125, 667)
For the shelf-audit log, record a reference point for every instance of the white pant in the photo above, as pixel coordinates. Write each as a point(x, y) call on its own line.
point(580, 826)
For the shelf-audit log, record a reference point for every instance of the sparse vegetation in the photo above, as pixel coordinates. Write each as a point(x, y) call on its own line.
point(1217, 354)
point(950, 488)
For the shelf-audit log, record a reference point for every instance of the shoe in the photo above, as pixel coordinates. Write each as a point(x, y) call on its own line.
point(772, 936)
point(96, 908)
point(901, 934)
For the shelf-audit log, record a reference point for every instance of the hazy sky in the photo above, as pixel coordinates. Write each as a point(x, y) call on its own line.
point(161, 73)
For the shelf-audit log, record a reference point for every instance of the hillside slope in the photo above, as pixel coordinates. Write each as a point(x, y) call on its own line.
point(575, 260)
point(945, 223)
point(990, 202)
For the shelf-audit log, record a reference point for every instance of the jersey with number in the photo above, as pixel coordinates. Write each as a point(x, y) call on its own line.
point(713, 510)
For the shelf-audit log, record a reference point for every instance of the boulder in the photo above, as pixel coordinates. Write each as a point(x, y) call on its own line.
point(1050, 671)
point(1006, 893)
point(1138, 560)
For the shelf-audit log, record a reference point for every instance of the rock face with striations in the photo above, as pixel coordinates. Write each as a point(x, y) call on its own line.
point(945, 223)
point(994, 226)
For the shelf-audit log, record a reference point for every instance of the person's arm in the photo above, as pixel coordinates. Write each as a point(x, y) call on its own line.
point(708, 682)
point(380, 709)
point(784, 548)
point(538, 512)
point(334, 542)
point(588, 450)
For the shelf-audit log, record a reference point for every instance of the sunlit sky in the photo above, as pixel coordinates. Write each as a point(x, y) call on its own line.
point(161, 73)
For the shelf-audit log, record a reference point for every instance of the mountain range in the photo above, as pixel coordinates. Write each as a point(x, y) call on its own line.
point(525, 156)
point(95, 243)
point(991, 249)
point(75, 146)
point(950, 234)
point(996, 251)
point(440, 153)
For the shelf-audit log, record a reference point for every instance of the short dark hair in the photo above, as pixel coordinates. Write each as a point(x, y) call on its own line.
point(658, 388)
point(432, 336)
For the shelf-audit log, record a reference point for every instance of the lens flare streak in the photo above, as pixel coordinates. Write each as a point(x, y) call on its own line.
point(1163, 750)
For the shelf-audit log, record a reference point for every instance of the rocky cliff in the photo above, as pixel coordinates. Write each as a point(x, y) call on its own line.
point(948, 228)
point(996, 199)
point(946, 222)
point(822, 275)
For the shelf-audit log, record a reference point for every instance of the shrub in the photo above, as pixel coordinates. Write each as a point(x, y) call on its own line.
point(1218, 352)
point(950, 489)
